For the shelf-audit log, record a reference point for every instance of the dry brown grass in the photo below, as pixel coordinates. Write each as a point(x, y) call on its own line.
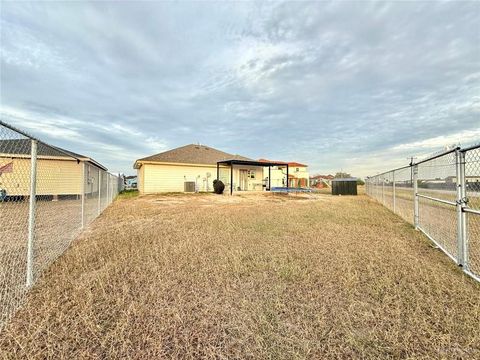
point(278, 277)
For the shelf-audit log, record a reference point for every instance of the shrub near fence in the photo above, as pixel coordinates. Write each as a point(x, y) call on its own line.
point(440, 196)
point(47, 196)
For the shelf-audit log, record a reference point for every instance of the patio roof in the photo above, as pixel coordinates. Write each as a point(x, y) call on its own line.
point(251, 163)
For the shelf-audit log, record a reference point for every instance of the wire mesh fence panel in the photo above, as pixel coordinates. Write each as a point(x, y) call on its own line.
point(473, 233)
point(472, 177)
point(472, 189)
point(439, 221)
point(113, 187)
point(47, 195)
point(447, 189)
point(91, 181)
point(15, 169)
point(404, 194)
point(378, 189)
point(58, 205)
point(437, 180)
point(437, 177)
point(372, 187)
point(387, 190)
point(103, 191)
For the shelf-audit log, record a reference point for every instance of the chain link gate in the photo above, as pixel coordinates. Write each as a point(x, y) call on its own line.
point(440, 196)
point(471, 210)
point(47, 196)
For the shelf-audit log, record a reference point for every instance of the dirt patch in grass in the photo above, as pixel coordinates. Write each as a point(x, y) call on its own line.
point(278, 277)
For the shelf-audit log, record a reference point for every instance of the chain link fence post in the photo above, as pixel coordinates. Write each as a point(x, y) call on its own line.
point(393, 190)
point(99, 191)
point(415, 197)
point(108, 188)
point(461, 223)
point(383, 190)
point(31, 211)
point(465, 249)
point(84, 174)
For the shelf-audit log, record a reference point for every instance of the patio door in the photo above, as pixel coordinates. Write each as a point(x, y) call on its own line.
point(243, 180)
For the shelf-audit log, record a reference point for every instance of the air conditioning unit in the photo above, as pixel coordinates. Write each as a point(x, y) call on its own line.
point(189, 186)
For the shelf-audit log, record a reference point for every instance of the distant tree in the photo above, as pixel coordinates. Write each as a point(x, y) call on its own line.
point(360, 182)
point(339, 175)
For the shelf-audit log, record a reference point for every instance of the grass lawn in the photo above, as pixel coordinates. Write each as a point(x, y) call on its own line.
point(261, 277)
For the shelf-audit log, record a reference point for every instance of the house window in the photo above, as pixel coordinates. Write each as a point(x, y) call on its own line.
point(297, 169)
point(251, 174)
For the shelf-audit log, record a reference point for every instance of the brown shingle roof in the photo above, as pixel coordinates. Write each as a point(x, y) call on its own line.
point(24, 146)
point(192, 154)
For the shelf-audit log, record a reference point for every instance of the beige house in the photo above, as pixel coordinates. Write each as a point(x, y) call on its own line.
point(170, 170)
point(59, 171)
point(194, 167)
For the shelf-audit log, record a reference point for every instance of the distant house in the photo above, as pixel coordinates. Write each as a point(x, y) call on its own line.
point(321, 181)
point(468, 179)
point(472, 182)
point(297, 174)
point(59, 171)
point(194, 167)
point(131, 182)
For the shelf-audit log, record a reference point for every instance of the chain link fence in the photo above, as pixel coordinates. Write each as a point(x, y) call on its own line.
point(47, 196)
point(440, 196)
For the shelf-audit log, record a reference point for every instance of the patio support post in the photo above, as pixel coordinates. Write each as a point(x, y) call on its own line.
point(217, 171)
point(269, 178)
point(287, 177)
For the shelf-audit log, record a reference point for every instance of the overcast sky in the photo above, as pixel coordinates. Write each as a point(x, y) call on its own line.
point(353, 85)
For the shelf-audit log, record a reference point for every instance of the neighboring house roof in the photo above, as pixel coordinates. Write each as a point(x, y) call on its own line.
point(327, 177)
point(191, 154)
point(293, 163)
point(24, 147)
point(296, 164)
point(131, 177)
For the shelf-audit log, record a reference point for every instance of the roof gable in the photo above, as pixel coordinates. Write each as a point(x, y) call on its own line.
point(192, 154)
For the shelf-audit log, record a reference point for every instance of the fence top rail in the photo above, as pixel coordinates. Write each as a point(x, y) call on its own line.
point(437, 155)
point(67, 153)
point(383, 173)
point(473, 147)
point(13, 128)
point(433, 157)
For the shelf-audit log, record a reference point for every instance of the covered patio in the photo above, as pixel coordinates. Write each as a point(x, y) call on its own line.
point(249, 163)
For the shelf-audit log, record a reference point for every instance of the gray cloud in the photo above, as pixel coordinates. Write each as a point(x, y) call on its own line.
point(351, 85)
